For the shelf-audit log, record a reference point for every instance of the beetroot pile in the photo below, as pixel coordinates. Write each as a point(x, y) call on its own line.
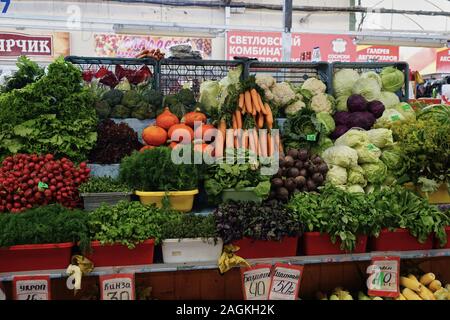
point(27, 181)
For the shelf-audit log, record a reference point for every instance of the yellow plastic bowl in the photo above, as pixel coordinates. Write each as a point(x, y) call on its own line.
point(440, 196)
point(179, 200)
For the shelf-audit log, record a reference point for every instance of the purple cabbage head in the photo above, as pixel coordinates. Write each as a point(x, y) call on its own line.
point(339, 131)
point(356, 103)
point(363, 120)
point(342, 118)
point(376, 108)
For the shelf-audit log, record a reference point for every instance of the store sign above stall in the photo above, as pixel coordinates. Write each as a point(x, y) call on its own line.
point(374, 53)
point(264, 46)
point(31, 287)
point(383, 280)
point(117, 287)
point(14, 44)
point(443, 60)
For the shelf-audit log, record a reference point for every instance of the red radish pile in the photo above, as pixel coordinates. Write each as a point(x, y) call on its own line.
point(21, 175)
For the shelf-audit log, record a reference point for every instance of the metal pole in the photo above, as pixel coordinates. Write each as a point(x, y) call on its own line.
point(287, 36)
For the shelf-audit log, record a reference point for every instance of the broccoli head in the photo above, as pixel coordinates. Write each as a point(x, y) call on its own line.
point(103, 109)
point(186, 97)
point(131, 99)
point(143, 111)
point(120, 112)
point(153, 97)
point(113, 97)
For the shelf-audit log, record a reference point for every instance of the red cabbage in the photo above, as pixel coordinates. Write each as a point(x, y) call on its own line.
point(339, 131)
point(342, 117)
point(363, 120)
point(376, 108)
point(356, 103)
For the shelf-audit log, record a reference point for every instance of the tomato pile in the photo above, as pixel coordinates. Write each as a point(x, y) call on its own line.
point(27, 181)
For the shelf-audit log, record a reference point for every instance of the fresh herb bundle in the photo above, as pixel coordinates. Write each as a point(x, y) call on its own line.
point(47, 224)
point(190, 225)
point(335, 212)
point(154, 170)
point(103, 184)
point(266, 221)
point(28, 72)
point(127, 223)
point(115, 141)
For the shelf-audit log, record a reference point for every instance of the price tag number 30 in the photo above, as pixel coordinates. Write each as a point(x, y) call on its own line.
point(118, 295)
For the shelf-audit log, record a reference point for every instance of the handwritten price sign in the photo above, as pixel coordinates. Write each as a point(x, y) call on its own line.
point(117, 287)
point(285, 282)
point(256, 281)
point(31, 287)
point(384, 276)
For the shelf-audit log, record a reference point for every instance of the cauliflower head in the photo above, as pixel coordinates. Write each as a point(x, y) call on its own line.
point(315, 86)
point(322, 103)
point(283, 93)
point(293, 108)
point(265, 81)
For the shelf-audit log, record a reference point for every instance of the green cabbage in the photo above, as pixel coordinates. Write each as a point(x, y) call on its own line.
point(210, 95)
point(388, 99)
point(341, 103)
point(406, 110)
point(375, 172)
point(352, 138)
point(342, 156)
point(355, 175)
point(369, 88)
point(390, 117)
point(355, 188)
point(372, 75)
point(337, 175)
point(392, 158)
point(327, 121)
point(343, 82)
point(392, 79)
point(368, 153)
point(381, 137)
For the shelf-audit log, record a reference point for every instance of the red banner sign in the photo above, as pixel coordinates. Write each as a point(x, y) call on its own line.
point(443, 60)
point(265, 46)
point(15, 44)
point(324, 47)
point(377, 54)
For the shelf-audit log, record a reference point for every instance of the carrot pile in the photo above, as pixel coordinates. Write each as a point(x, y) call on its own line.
point(249, 104)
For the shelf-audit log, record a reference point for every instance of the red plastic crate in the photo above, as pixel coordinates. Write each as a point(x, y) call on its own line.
point(437, 245)
point(315, 244)
point(120, 255)
point(398, 240)
point(257, 249)
point(30, 257)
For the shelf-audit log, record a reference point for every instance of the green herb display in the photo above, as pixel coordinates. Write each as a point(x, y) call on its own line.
point(333, 211)
point(52, 115)
point(189, 225)
point(103, 184)
point(47, 224)
point(266, 221)
point(154, 170)
point(235, 176)
point(28, 72)
point(127, 223)
point(397, 207)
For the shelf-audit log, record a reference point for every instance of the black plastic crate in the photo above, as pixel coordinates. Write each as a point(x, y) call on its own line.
point(377, 67)
point(94, 63)
point(293, 72)
point(175, 73)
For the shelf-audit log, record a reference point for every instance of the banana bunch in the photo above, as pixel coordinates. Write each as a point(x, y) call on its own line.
point(337, 294)
point(425, 288)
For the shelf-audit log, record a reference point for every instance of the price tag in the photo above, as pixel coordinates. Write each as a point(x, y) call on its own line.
point(42, 185)
point(31, 287)
point(311, 137)
point(395, 117)
point(406, 107)
point(2, 292)
point(384, 276)
point(285, 282)
point(371, 147)
point(256, 281)
point(117, 287)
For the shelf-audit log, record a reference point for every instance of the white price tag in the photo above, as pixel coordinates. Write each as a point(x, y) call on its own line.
point(117, 287)
point(285, 282)
point(31, 287)
point(384, 277)
point(256, 282)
